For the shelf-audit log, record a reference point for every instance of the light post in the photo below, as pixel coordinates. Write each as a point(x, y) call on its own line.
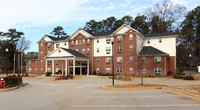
point(190, 56)
point(112, 62)
point(6, 62)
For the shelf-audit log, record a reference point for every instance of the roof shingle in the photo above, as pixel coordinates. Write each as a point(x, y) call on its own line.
point(150, 51)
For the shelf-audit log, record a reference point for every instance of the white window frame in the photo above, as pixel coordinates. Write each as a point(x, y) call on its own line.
point(76, 42)
point(30, 69)
point(57, 69)
point(72, 43)
point(36, 62)
point(35, 69)
point(41, 61)
point(157, 69)
point(49, 45)
point(48, 69)
point(108, 59)
point(97, 70)
point(143, 70)
point(157, 58)
point(131, 37)
point(108, 70)
point(119, 59)
point(119, 38)
point(83, 41)
point(41, 45)
point(144, 59)
point(79, 41)
point(131, 70)
point(131, 59)
point(119, 70)
point(83, 50)
point(108, 50)
point(88, 50)
point(119, 48)
point(98, 60)
point(41, 53)
point(108, 40)
point(57, 62)
point(88, 41)
point(130, 47)
point(48, 52)
point(41, 69)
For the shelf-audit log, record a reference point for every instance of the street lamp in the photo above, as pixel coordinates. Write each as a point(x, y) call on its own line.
point(112, 42)
point(190, 56)
point(6, 62)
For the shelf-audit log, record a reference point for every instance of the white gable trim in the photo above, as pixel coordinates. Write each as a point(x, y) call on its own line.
point(56, 51)
point(43, 38)
point(80, 31)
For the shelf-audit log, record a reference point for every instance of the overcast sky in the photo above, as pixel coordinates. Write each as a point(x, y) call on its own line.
point(38, 17)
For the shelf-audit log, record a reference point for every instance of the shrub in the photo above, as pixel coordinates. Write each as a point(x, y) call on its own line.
point(107, 74)
point(149, 75)
point(12, 81)
point(94, 72)
point(188, 78)
point(14, 75)
point(169, 73)
point(18, 75)
point(178, 77)
point(48, 73)
point(100, 74)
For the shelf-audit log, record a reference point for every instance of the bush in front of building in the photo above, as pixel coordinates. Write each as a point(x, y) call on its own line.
point(12, 81)
point(94, 72)
point(48, 73)
point(178, 77)
point(188, 78)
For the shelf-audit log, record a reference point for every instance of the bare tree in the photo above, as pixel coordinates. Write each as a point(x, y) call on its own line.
point(23, 44)
point(163, 14)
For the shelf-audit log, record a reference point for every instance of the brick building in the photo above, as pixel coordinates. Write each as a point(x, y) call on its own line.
point(84, 53)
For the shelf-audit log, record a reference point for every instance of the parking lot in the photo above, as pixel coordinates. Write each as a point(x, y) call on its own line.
point(86, 94)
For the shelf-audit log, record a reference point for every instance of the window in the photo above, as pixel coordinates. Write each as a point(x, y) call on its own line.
point(79, 41)
point(48, 62)
point(108, 70)
point(49, 45)
point(48, 69)
point(131, 70)
point(97, 60)
point(83, 50)
point(119, 38)
point(143, 59)
point(79, 50)
point(108, 59)
point(57, 45)
point(76, 42)
point(148, 41)
point(160, 40)
point(108, 49)
point(119, 59)
point(65, 43)
point(131, 59)
point(30, 70)
point(143, 70)
point(41, 45)
point(119, 48)
point(41, 61)
point(157, 69)
point(108, 40)
point(98, 50)
point(41, 69)
point(88, 50)
point(41, 53)
point(29, 62)
point(131, 37)
point(119, 70)
point(36, 62)
point(57, 69)
point(131, 47)
point(48, 52)
point(83, 41)
point(57, 62)
point(97, 70)
point(35, 69)
point(72, 43)
point(157, 58)
point(97, 40)
point(88, 41)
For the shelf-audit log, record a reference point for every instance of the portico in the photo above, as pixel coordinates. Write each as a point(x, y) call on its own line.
point(71, 58)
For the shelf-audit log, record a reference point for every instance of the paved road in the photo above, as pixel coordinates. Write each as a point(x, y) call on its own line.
point(85, 94)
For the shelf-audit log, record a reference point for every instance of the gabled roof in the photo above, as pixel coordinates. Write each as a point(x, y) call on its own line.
point(97, 34)
point(80, 31)
point(159, 34)
point(75, 53)
point(151, 51)
point(57, 39)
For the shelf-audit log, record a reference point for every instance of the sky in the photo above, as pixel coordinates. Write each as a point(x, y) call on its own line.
point(39, 17)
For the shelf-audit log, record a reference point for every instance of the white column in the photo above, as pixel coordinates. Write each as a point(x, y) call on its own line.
point(52, 67)
point(74, 67)
point(88, 67)
point(66, 67)
point(80, 67)
point(45, 66)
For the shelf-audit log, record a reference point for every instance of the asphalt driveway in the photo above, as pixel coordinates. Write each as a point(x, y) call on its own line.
point(85, 94)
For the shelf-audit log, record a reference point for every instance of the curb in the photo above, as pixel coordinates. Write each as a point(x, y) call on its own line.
point(12, 88)
point(137, 88)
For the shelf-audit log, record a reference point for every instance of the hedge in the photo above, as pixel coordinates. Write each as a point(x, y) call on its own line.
point(12, 81)
point(188, 78)
point(48, 73)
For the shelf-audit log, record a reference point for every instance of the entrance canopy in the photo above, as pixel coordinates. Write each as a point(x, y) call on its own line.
point(67, 54)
